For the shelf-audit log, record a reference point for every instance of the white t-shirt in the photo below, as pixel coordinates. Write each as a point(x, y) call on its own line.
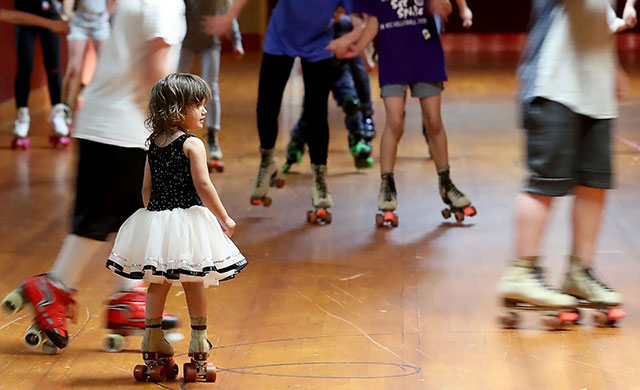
point(578, 59)
point(117, 99)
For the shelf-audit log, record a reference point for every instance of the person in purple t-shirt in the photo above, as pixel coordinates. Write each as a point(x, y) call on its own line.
point(410, 55)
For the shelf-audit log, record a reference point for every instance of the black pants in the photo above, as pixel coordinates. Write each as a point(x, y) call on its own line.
point(274, 73)
point(25, 43)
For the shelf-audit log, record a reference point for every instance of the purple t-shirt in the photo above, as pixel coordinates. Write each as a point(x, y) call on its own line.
point(408, 44)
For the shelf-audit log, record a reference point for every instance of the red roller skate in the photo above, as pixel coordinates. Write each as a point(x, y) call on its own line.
point(126, 316)
point(52, 304)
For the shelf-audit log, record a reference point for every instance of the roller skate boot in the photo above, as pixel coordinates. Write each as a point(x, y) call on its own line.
point(367, 118)
point(199, 368)
point(522, 287)
point(58, 122)
point(458, 203)
point(51, 303)
point(268, 176)
point(21, 130)
point(215, 153)
point(320, 197)
point(359, 146)
point(157, 353)
point(126, 317)
point(295, 147)
point(592, 293)
point(387, 201)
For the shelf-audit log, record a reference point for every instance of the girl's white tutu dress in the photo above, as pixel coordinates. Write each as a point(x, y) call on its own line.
point(175, 238)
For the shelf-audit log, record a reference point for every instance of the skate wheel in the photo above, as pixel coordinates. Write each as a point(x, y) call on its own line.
point(32, 337)
point(140, 373)
point(379, 220)
point(279, 183)
point(509, 320)
point(446, 213)
point(286, 167)
point(394, 221)
point(64, 141)
point(217, 165)
point(48, 348)
point(551, 322)
point(616, 314)
point(210, 372)
point(158, 374)
point(311, 216)
point(572, 316)
point(13, 302)
point(459, 216)
point(321, 214)
point(114, 343)
point(328, 218)
point(171, 369)
point(189, 372)
point(601, 319)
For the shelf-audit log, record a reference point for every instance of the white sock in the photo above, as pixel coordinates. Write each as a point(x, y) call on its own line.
point(75, 254)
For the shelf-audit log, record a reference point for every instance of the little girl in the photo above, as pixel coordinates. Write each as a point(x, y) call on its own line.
point(177, 237)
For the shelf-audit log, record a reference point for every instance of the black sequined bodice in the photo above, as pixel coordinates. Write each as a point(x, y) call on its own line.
point(171, 182)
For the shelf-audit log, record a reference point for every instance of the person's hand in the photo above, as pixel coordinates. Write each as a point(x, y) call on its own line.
point(217, 25)
point(228, 226)
point(340, 47)
point(59, 27)
point(623, 85)
point(442, 8)
point(630, 16)
point(238, 52)
point(467, 17)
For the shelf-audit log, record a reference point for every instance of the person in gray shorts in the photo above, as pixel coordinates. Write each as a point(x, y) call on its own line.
point(568, 105)
point(89, 20)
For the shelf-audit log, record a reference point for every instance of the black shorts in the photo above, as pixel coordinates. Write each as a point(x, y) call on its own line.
point(565, 149)
point(109, 188)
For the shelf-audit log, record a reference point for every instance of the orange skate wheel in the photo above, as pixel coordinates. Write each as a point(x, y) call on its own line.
point(470, 211)
point(616, 313)
point(569, 316)
point(171, 368)
point(210, 371)
point(189, 372)
point(322, 213)
point(158, 374)
point(140, 373)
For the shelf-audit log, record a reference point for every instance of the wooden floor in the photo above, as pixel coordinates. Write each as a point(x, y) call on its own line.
point(349, 306)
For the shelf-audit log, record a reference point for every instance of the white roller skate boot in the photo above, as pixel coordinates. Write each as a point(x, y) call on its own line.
point(458, 203)
point(320, 196)
point(582, 283)
point(58, 121)
point(522, 287)
point(199, 368)
point(157, 353)
point(21, 130)
point(268, 176)
point(387, 201)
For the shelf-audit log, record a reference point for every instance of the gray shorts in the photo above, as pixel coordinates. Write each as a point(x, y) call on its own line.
point(418, 90)
point(565, 149)
point(85, 26)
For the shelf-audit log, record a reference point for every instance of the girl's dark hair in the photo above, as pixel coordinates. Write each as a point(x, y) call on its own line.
point(170, 98)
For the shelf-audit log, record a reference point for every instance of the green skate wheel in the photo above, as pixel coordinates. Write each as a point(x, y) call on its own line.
point(286, 167)
point(364, 163)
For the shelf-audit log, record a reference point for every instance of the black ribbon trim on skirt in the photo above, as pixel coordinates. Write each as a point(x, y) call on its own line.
point(174, 274)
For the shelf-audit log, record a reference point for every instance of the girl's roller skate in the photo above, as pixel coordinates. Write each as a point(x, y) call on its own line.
point(58, 121)
point(592, 293)
point(199, 368)
point(522, 287)
point(157, 353)
point(268, 176)
point(361, 150)
point(320, 197)
point(359, 146)
point(458, 203)
point(215, 153)
point(51, 304)
point(126, 317)
point(387, 201)
point(21, 130)
point(295, 147)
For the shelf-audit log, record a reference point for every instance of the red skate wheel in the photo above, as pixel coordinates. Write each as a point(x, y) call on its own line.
point(256, 202)
point(210, 372)
point(322, 213)
point(158, 374)
point(189, 372)
point(470, 211)
point(569, 316)
point(388, 216)
point(328, 218)
point(171, 368)
point(140, 373)
point(379, 220)
point(616, 313)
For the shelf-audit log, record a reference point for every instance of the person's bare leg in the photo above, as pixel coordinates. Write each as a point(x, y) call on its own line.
point(394, 127)
point(71, 82)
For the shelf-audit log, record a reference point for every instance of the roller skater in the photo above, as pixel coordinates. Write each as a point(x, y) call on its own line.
point(458, 203)
point(157, 353)
point(320, 197)
point(198, 368)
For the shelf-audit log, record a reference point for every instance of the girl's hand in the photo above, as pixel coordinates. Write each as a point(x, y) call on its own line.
point(630, 16)
point(467, 17)
point(60, 27)
point(228, 226)
point(238, 52)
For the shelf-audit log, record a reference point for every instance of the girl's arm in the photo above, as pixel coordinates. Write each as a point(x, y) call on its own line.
point(629, 15)
point(197, 154)
point(146, 184)
point(465, 13)
point(341, 46)
point(27, 19)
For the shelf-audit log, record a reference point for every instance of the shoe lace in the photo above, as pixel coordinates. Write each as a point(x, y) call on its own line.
point(262, 174)
point(456, 192)
point(538, 273)
point(591, 276)
point(388, 188)
point(320, 184)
